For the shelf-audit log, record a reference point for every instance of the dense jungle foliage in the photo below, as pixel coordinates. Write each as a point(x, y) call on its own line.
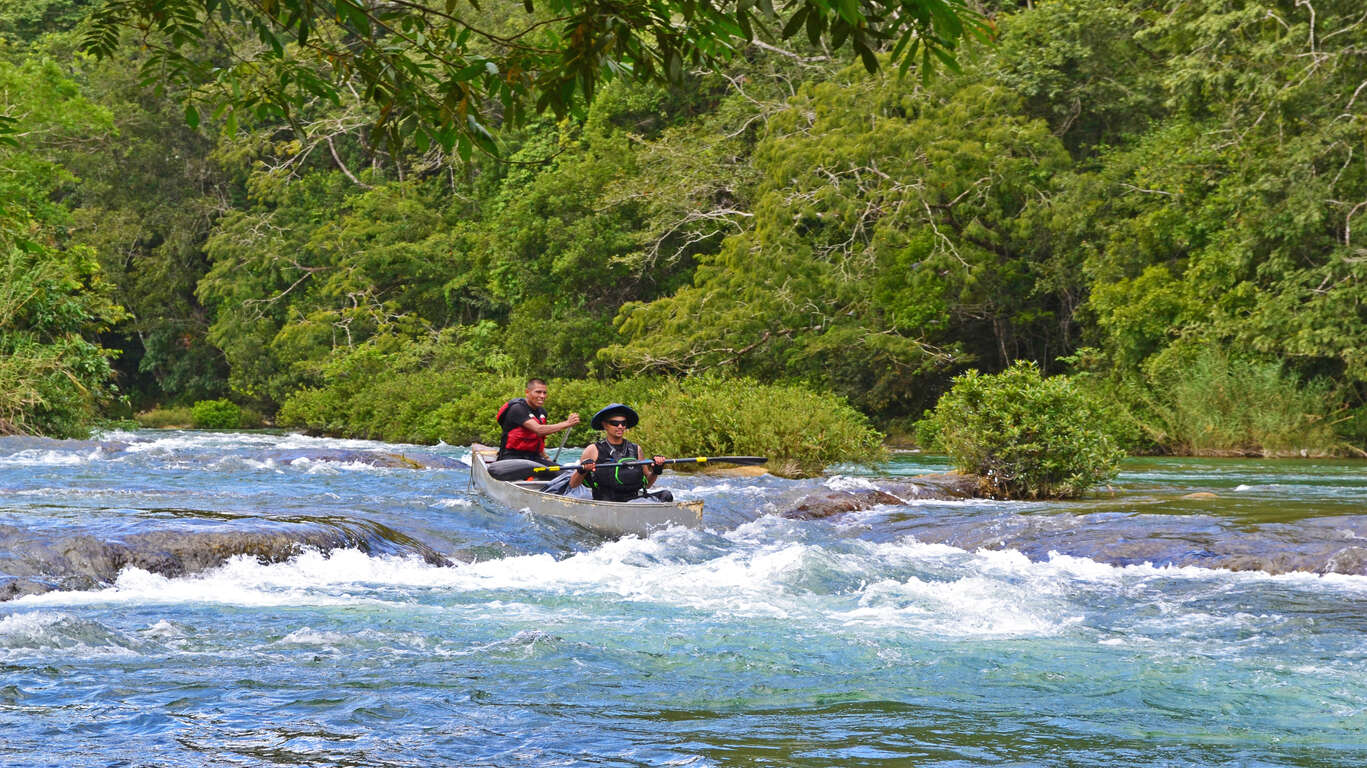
point(1155, 198)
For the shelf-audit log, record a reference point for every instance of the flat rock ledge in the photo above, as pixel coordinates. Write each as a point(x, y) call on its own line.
point(34, 564)
point(947, 486)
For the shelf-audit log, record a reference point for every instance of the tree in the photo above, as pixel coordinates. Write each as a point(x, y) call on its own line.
point(150, 191)
point(898, 235)
point(444, 74)
point(54, 301)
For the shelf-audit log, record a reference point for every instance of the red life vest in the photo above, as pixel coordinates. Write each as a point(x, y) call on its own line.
point(518, 437)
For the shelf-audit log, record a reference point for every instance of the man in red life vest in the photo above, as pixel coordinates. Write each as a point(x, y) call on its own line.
point(524, 425)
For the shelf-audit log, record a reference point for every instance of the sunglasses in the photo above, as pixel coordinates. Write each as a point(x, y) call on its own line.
point(616, 422)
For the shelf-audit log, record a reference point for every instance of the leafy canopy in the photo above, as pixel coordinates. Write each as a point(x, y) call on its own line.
point(443, 71)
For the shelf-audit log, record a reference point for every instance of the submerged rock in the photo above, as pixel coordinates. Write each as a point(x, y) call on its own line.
point(386, 459)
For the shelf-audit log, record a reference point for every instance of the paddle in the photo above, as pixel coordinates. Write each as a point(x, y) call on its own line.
point(556, 457)
point(516, 469)
point(746, 460)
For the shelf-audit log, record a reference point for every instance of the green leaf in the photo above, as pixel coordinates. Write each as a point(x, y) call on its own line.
point(849, 11)
point(866, 55)
point(816, 24)
point(795, 23)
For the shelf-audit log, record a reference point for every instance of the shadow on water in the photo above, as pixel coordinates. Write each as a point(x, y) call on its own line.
point(949, 732)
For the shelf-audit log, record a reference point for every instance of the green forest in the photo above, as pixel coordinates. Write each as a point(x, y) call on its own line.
point(1157, 199)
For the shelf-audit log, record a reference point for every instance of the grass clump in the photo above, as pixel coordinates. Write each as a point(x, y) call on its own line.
point(171, 417)
point(1023, 435)
point(1200, 401)
point(1196, 399)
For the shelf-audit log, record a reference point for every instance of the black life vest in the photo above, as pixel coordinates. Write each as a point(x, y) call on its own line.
point(517, 437)
point(610, 480)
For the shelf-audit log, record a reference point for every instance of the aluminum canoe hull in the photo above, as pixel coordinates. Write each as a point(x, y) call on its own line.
point(619, 518)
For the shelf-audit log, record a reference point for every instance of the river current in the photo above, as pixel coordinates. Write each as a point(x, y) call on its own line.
point(1198, 613)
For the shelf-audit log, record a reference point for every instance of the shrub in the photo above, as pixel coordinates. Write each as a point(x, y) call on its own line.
point(215, 414)
point(801, 431)
point(1023, 435)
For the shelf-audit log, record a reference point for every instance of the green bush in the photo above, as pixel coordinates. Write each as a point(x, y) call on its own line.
point(216, 414)
point(1023, 435)
point(801, 431)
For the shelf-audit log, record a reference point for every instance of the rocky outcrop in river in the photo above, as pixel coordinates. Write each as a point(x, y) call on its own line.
point(1121, 530)
point(33, 563)
point(944, 486)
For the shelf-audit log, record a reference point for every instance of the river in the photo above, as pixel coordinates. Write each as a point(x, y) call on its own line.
point(397, 619)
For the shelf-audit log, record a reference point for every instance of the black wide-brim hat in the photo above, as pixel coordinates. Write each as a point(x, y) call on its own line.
point(615, 408)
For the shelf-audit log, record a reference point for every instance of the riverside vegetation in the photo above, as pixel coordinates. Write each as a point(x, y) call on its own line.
point(1154, 199)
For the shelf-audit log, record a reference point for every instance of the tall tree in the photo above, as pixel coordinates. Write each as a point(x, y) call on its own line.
point(54, 301)
point(442, 73)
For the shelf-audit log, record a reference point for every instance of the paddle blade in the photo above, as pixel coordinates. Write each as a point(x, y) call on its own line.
point(744, 460)
point(512, 469)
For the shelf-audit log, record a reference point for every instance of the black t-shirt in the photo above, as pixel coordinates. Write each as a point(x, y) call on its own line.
point(519, 412)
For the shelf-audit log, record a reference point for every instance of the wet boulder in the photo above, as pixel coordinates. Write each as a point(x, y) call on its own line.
point(34, 563)
point(828, 502)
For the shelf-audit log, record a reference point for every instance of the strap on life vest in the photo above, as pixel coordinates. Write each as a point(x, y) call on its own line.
point(612, 480)
point(522, 438)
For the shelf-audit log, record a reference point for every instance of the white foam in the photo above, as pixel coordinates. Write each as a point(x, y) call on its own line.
point(1084, 569)
point(330, 467)
point(183, 440)
point(752, 572)
point(164, 630)
point(849, 483)
point(27, 625)
point(308, 579)
point(723, 488)
point(22, 634)
point(51, 458)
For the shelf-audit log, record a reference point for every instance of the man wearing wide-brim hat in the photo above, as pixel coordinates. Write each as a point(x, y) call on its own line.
point(600, 464)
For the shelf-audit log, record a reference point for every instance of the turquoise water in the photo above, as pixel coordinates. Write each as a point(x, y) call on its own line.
point(931, 633)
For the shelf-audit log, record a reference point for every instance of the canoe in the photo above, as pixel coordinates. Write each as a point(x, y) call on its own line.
point(611, 518)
